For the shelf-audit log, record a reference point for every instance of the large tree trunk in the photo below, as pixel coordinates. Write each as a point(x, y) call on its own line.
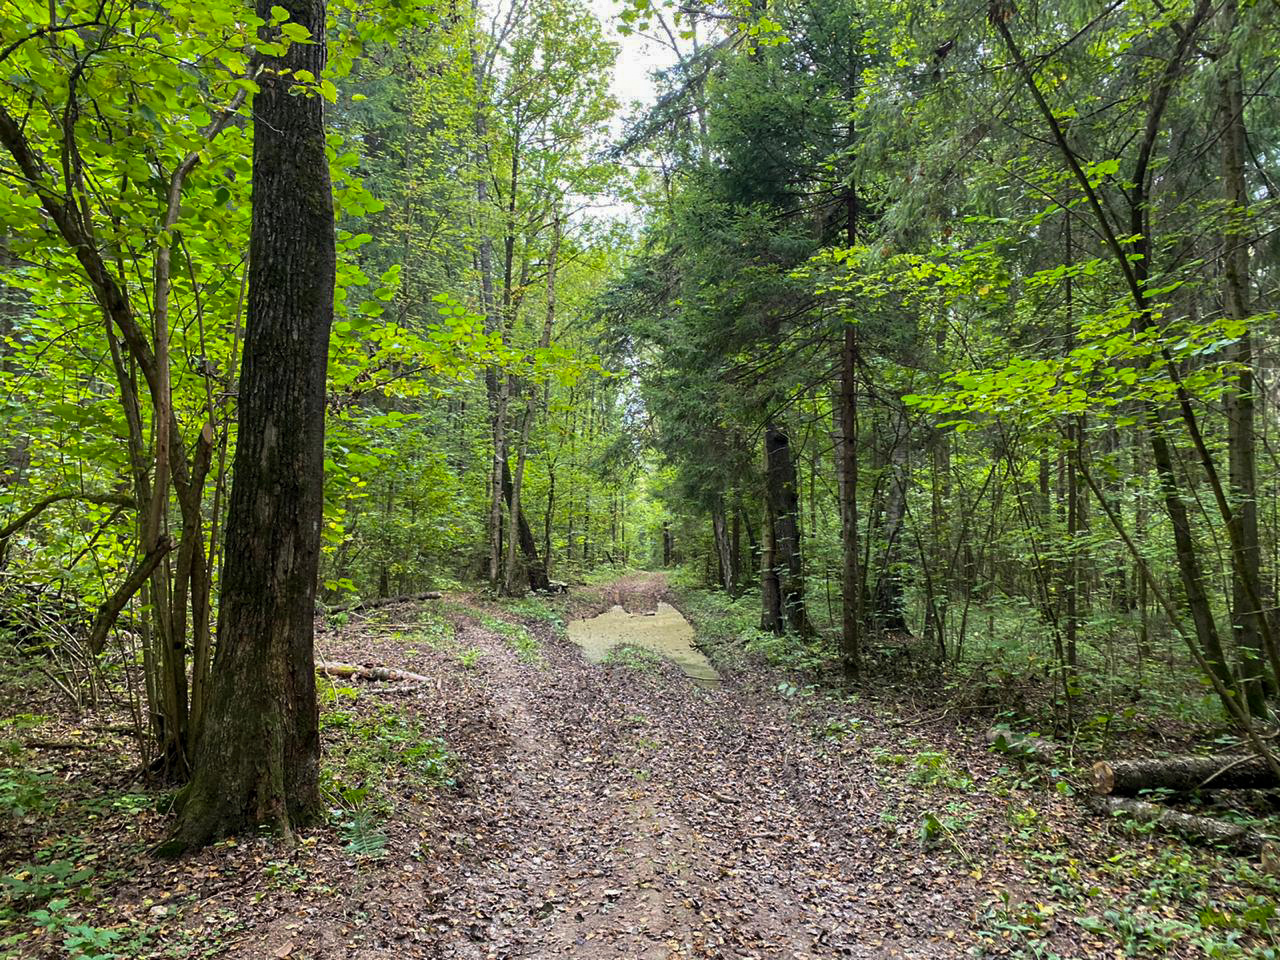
point(537, 572)
point(257, 761)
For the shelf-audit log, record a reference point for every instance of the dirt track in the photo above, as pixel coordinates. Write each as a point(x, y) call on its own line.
point(609, 812)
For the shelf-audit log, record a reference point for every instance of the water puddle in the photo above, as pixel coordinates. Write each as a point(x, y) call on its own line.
point(665, 632)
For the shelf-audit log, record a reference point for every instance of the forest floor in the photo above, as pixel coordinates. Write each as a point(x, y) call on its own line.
point(527, 803)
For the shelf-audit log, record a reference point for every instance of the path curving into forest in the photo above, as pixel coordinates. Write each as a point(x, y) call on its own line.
point(624, 813)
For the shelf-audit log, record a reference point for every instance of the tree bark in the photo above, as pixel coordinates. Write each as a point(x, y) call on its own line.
point(1219, 833)
point(784, 507)
point(1129, 777)
point(720, 529)
point(888, 606)
point(538, 578)
point(257, 761)
point(1246, 617)
point(537, 572)
point(847, 474)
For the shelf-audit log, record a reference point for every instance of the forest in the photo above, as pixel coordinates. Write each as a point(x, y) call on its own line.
point(641, 479)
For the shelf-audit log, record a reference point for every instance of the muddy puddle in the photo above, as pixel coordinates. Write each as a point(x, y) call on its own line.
point(665, 632)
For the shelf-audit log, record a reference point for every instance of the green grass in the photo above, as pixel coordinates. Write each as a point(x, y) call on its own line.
point(634, 658)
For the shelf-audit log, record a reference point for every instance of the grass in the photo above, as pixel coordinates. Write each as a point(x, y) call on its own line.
point(633, 658)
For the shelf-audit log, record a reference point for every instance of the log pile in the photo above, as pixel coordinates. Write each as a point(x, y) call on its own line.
point(1116, 785)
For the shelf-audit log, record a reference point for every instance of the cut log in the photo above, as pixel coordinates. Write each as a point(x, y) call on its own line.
point(1021, 745)
point(381, 602)
point(352, 671)
point(1129, 777)
point(1206, 830)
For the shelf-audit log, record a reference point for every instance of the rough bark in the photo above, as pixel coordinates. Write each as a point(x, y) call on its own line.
point(1248, 627)
point(720, 529)
point(1129, 777)
point(257, 761)
point(784, 518)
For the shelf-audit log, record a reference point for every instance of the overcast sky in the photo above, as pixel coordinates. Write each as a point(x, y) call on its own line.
point(637, 56)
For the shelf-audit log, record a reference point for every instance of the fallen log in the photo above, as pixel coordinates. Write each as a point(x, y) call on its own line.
point(381, 602)
point(1234, 772)
point(1004, 740)
point(354, 672)
point(1205, 830)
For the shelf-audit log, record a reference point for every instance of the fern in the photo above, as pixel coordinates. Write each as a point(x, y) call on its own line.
point(362, 836)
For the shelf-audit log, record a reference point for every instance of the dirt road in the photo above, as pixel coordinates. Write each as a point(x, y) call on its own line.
point(615, 812)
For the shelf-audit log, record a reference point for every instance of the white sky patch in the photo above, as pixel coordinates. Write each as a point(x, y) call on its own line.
point(638, 57)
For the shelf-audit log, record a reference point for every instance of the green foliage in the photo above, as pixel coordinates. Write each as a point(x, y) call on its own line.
point(934, 769)
point(634, 658)
point(361, 836)
point(376, 753)
point(38, 881)
point(24, 792)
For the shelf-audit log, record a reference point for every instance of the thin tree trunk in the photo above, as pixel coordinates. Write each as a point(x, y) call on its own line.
point(784, 507)
point(1247, 626)
point(522, 452)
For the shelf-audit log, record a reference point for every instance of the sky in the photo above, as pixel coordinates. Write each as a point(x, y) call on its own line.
point(637, 57)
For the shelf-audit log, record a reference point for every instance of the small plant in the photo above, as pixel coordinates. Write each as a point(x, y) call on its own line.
point(789, 691)
point(837, 729)
point(361, 835)
point(37, 881)
point(470, 657)
point(887, 758)
point(634, 658)
point(23, 792)
point(933, 769)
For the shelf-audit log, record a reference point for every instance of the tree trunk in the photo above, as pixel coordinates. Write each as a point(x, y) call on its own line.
point(888, 607)
point(1206, 830)
point(515, 496)
point(724, 550)
point(847, 474)
point(1246, 617)
point(784, 506)
point(257, 761)
point(538, 579)
point(771, 617)
point(1128, 777)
